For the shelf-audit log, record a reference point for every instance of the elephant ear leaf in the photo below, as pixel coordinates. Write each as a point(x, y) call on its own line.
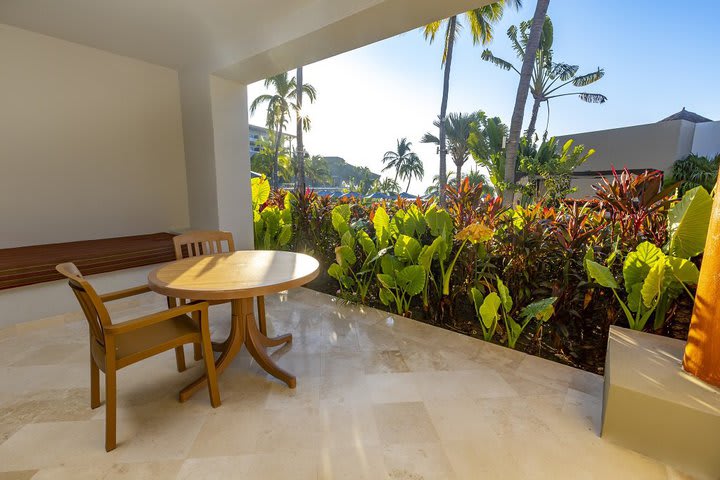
point(688, 222)
point(489, 309)
point(655, 283)
point(477, 298)
point(601, 274)
point(407, 248)
point(684, 270)
point(541, 310)
point(504, 293)
point(381, 222)
point(639, 262)
point(411, 279)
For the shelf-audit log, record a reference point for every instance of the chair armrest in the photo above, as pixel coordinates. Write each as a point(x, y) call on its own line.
point(129, 292)
point(153, 318)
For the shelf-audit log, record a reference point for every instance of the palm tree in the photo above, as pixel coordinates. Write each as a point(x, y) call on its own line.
point(399, 157)
point(459, 129)
point(387, 185)
point(521, 96)
point(280, 105)
point(695, 170)
point(546, 73)
point(434, 188)
point(487, 147)
point(413, 167)
point(302, 123)
point(481, 21)
point(317, 172)
point(264, 161)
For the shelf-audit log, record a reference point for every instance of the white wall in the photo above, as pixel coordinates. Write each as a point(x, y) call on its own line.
point(91, 143)
point(707, 139)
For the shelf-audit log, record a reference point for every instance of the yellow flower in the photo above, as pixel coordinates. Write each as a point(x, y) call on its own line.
point(475, 233)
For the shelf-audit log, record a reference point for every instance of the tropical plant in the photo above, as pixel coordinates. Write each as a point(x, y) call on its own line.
point(555, 167)
point(413, 168)
point(437, 185)
point(487, 147)
point(272, 224)
point(516, 122)
point(398, 158)
point(481, 22)
point(401, 278)
point(655, 277)
point(695, 171)
point(280, 105)
point(387, 186)
point(354, 274)
point(546, 73)
point(637, 205)
point(263, 161)
point(302, 124)
point(500, 304)
point(459, 128)
point(317, 172)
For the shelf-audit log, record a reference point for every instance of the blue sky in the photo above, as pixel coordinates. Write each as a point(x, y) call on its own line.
point(658, 56)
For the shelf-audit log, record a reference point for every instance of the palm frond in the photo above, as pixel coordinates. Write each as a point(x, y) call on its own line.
point(592, 97)
point(512, 34)
point(497, 61)
point(481, 21)
point(564, 71)
point(430, 138)
point(588, 78)
point(430, 30)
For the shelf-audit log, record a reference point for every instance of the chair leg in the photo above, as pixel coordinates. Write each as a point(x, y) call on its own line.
point(262, 323)
point(198, 352)
point(210, 365)
point(94, 384)
point(110, 407)
point(180, 358)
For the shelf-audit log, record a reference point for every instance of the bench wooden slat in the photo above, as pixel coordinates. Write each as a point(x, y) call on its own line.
point(36, 264)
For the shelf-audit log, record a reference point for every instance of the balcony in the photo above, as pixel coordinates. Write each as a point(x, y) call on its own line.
point(378, 396)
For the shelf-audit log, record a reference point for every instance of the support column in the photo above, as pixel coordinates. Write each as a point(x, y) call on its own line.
point(702, 352)
point(217, 159)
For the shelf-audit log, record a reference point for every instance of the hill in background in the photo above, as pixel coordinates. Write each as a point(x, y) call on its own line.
point(341, 171)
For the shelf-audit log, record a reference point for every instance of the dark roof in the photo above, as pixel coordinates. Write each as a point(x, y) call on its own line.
point(686, 115)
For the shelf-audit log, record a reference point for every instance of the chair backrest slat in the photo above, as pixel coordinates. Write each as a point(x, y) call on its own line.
point(92, 306)
point(203, 242)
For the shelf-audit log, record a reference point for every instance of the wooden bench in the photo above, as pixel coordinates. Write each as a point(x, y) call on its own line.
point(36, 264)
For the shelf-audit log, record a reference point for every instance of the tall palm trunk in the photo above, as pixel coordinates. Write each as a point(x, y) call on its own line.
point(521, 97)
point(300, 146)
point(408, 187)
point(533, 119)
point(458, 176)
point(278, 141)
point(452, 25)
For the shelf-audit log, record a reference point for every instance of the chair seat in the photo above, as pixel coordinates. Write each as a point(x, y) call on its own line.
point(147, 338)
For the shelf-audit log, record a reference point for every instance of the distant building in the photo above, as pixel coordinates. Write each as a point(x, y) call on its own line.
point(256, 133)
point(654, 146)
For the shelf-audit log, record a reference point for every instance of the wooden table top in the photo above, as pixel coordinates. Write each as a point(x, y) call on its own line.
point(227, 276)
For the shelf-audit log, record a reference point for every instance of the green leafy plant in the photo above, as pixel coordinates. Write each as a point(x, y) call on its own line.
point(272, 225)
point(500, 304)
point(355, 273)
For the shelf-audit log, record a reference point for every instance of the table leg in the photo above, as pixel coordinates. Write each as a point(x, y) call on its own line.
point(256, 343)
point(232, 346)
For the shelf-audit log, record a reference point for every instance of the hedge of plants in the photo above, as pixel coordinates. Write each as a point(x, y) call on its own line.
point(548, 278)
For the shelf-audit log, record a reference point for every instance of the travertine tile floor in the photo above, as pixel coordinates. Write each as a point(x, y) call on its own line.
point(378, 397)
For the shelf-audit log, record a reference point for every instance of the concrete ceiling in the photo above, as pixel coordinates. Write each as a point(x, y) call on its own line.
point(244, 40)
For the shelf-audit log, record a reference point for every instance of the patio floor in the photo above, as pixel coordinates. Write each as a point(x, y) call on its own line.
point(378, 397)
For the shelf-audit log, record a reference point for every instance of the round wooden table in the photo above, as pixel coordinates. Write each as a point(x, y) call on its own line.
point(238, 277)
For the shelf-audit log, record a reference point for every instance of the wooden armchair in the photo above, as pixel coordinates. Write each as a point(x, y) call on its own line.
point(114, 346)
point(210, 242)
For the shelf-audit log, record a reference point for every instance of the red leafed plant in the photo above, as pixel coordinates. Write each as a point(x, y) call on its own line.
point(637, 205)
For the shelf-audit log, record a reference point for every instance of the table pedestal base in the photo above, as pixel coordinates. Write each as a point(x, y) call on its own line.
point(244, 330)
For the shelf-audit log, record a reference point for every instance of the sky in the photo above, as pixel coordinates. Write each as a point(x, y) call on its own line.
point(659, 56)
